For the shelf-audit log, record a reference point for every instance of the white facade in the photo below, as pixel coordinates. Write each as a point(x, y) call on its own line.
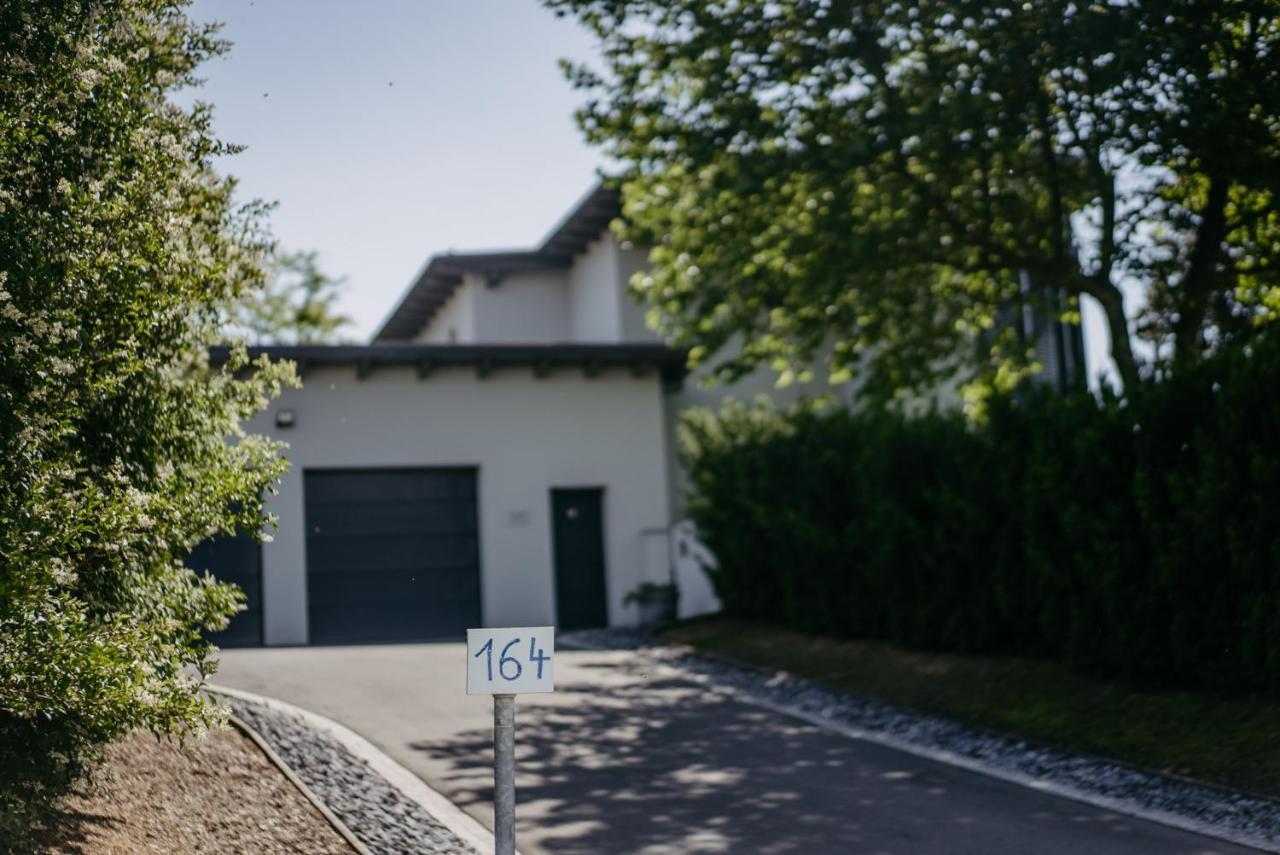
point(523, 308)
point(525, 435)
point(588, 401)
point(456, 321)
point(589, 303)
point(585, 303)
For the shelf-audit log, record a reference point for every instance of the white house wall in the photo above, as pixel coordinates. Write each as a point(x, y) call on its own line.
point(523, 308)
point(594, 312)
point(586, 303)
point(455, 321)
point(523, 434)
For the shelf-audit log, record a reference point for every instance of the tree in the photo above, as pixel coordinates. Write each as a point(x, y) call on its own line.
point(296, 307)
point(120, 250)
point(875, 176)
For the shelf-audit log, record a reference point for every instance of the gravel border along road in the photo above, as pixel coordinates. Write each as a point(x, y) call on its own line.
point(382, 817)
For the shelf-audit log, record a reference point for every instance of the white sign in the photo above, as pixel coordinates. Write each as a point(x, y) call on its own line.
point(513, 661)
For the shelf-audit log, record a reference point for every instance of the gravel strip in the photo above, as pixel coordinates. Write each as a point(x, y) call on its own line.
point(375, 811)
point(1249, 817)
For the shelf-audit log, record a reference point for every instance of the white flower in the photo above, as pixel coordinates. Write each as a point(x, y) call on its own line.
point(63, 575)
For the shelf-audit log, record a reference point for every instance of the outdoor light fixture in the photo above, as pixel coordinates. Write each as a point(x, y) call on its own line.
point(285, 418)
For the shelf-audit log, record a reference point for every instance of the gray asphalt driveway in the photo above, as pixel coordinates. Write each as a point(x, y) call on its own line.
point(621, 760)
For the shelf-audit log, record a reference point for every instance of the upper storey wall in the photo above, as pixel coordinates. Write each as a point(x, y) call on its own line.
point(593, 296)
point(523, 308)
point(454, 323)
point(600, 307)
point(585, 303)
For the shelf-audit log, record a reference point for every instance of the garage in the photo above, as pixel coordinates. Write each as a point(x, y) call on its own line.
point(392, 555)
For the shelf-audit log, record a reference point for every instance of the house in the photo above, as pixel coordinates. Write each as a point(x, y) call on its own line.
point(502, 453)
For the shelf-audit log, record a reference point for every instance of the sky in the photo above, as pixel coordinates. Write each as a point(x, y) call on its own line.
point(388, 131)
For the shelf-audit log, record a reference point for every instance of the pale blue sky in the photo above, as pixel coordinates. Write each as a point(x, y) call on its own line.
point(391, 130)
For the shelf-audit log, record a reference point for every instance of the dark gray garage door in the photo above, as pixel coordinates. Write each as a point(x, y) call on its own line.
point(392, 554)
point(235, 559)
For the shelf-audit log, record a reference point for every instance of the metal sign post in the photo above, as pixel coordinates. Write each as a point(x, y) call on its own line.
point(504, 663)
point(504, 774)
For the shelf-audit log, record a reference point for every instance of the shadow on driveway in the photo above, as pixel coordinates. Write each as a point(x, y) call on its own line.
point(653, 765)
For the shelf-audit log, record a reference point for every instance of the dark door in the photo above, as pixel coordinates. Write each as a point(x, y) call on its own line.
point(392, 554)
point(235, 559)
point(577, 524)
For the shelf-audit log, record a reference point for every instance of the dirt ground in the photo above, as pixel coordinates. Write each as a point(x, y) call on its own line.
point(219, 794)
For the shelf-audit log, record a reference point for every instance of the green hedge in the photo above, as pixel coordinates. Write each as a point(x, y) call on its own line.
point(1139, 537)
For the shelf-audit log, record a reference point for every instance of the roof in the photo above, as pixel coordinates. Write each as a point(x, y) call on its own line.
point(425, 358)
point(442, 274)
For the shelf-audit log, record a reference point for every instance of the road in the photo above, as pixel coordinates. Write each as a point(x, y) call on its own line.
point(624, 760)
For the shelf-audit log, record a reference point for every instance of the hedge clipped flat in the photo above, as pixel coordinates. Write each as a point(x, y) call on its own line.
point(1139, 538)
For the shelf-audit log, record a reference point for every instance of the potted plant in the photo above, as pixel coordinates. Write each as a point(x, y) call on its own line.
point(656, 603)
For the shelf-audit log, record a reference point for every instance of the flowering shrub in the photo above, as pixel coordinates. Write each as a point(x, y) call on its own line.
point(120, 248)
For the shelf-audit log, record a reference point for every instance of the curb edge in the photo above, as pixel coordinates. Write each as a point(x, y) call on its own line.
point(464, 826)
point(338, 825)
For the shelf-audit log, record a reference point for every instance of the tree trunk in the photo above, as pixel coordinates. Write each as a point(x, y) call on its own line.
point(1197, 286)
point(1121, 346)
point(1112, 301)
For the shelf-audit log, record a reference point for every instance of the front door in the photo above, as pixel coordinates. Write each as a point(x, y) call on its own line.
point(577, 524)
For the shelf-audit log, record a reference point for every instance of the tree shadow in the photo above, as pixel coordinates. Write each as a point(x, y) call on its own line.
point(661, 765)
point(67, 830)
